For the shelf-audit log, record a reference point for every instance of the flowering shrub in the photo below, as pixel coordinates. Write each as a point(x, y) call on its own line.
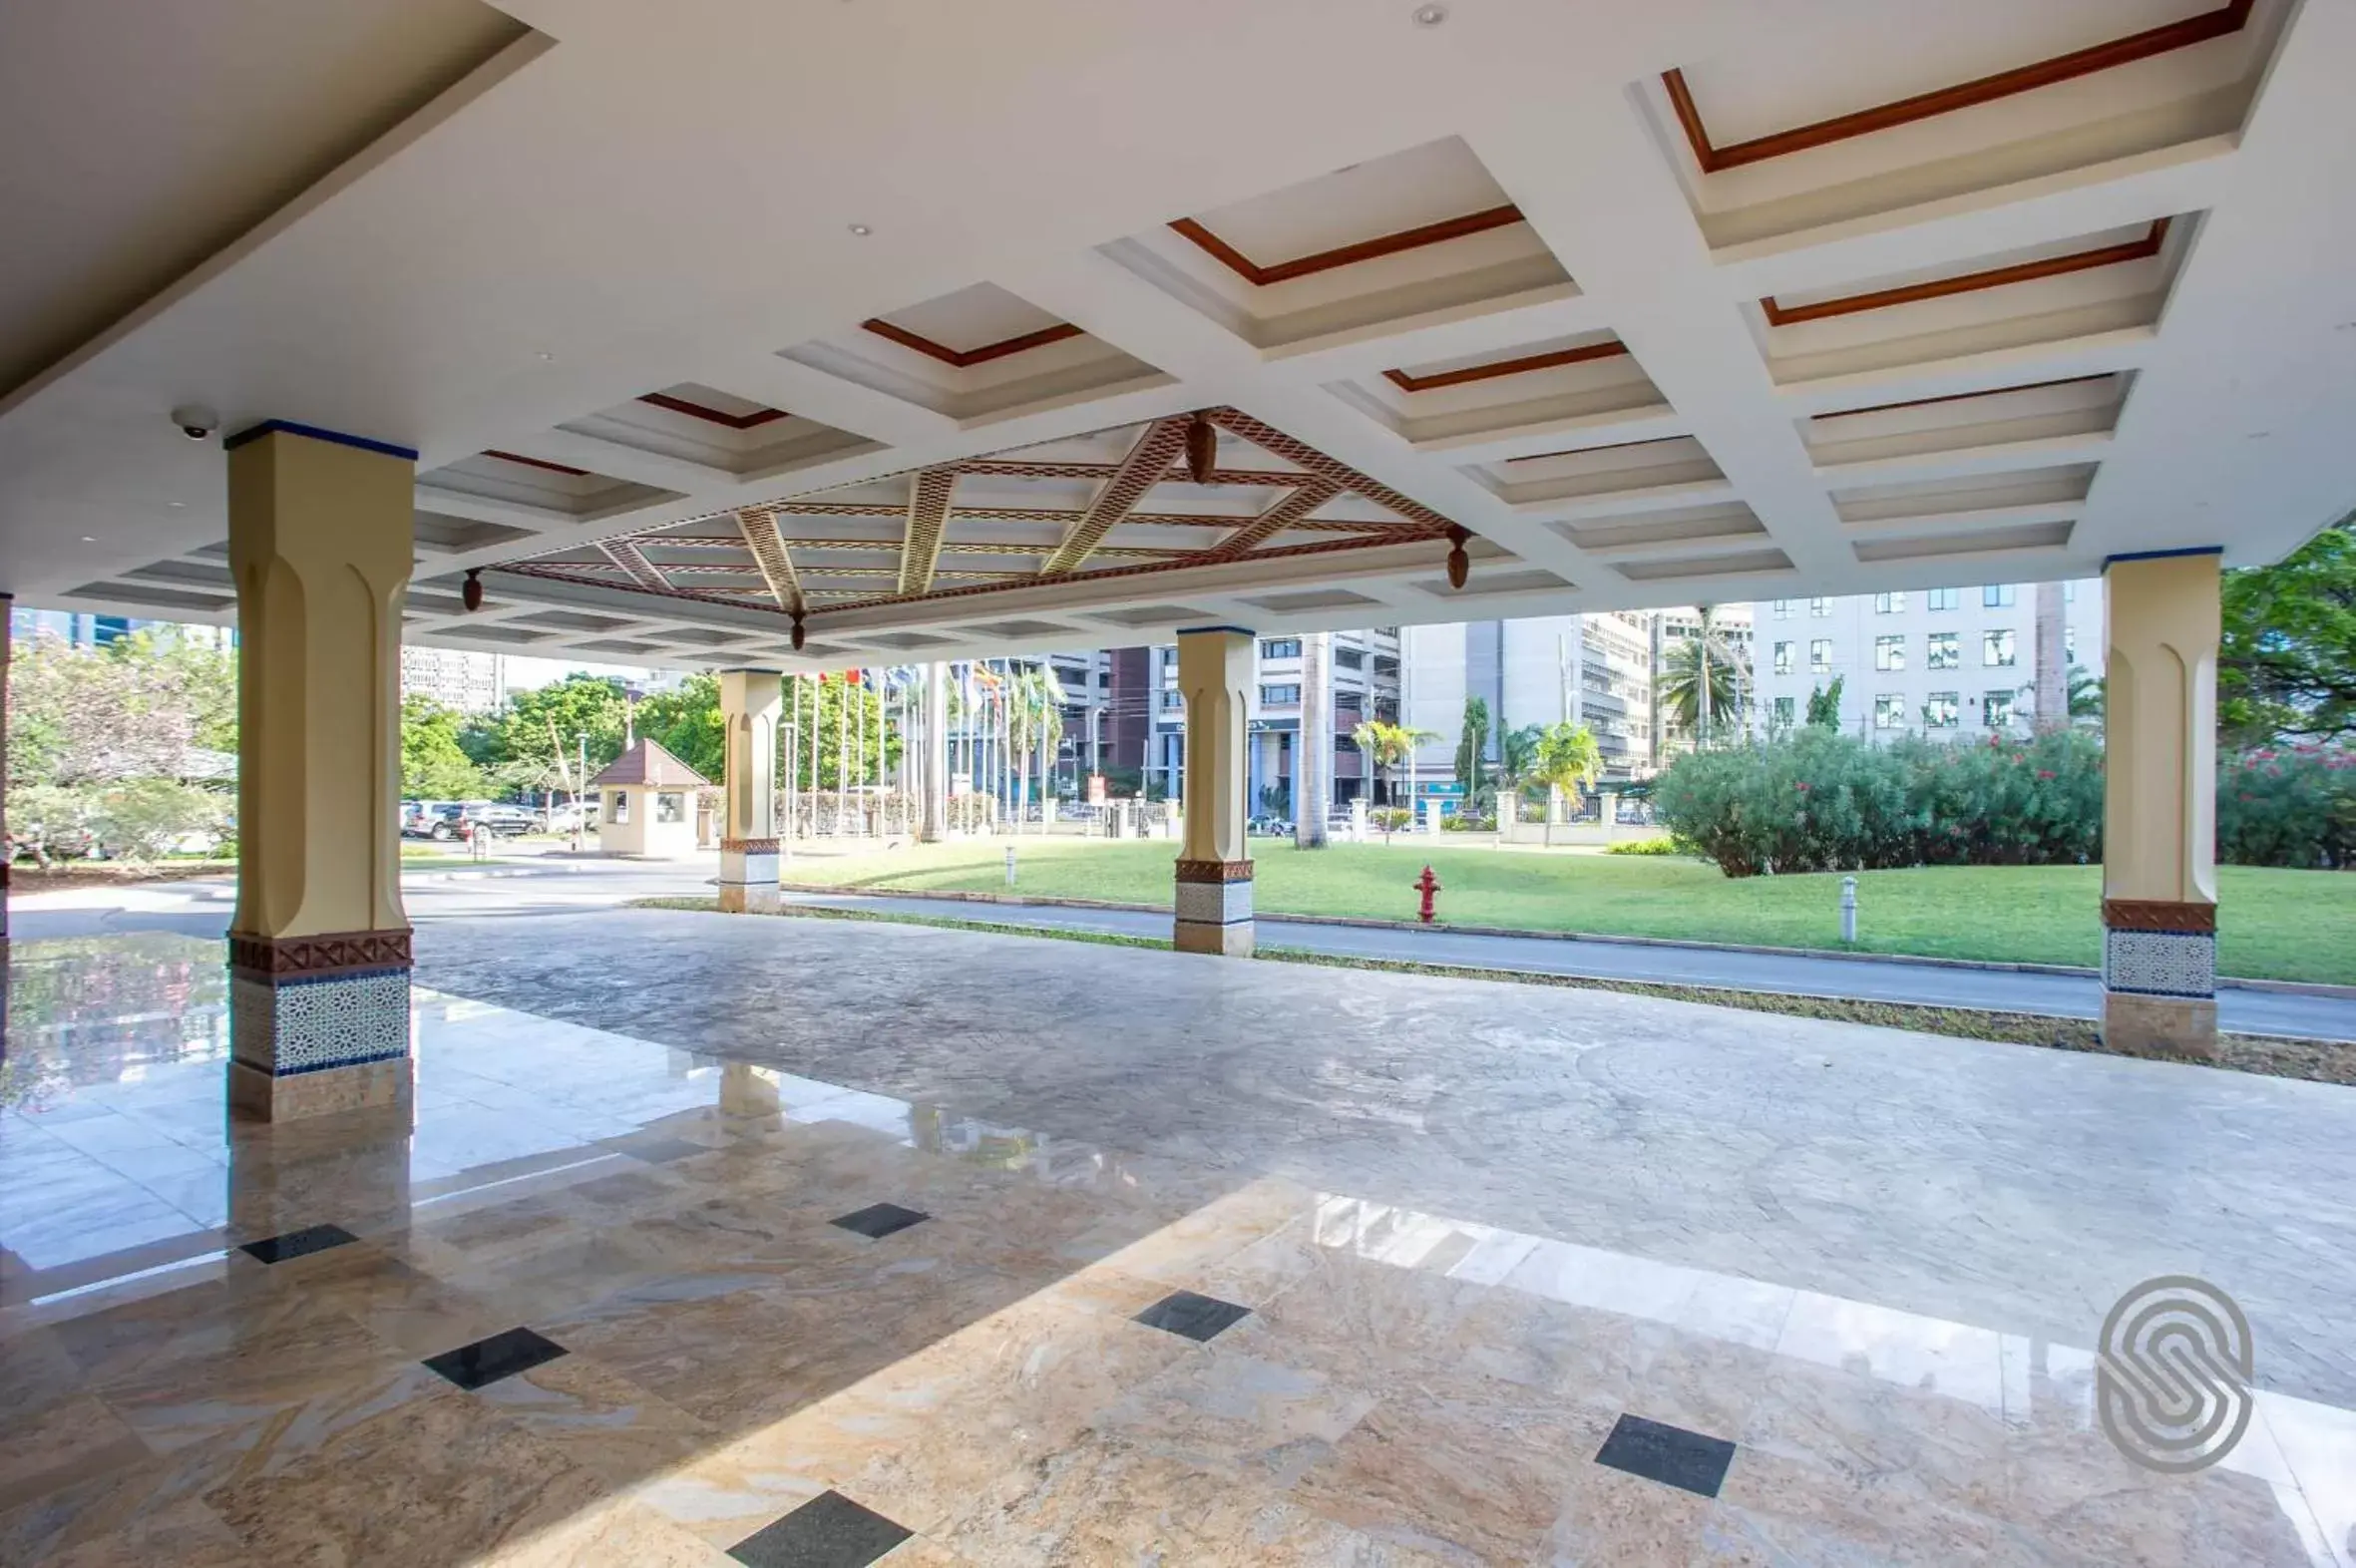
point(2291, 807)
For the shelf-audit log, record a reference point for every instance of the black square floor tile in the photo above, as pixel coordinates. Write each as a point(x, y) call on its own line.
point(299, 1244)
point(1196, 1316)
point(828, 1531)
point(1669, 1454)
point(881, 1218)
point(502, 1356)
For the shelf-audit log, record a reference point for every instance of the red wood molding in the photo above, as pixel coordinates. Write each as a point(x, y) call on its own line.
point(1971, 282)
point(1260, 276)
point(694, 410)
point(1408, 382)
point(554, 468)
point(964, 358)
point(1964, 397)
point(2224, 20)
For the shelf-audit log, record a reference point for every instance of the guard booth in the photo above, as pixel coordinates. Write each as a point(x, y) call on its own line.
point(648, 802)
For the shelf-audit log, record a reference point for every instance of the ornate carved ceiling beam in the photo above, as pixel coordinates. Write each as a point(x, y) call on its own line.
point(1283, 514)
point(928, 513)
point(1147, 465)
point(769, 554)
point(626, 555)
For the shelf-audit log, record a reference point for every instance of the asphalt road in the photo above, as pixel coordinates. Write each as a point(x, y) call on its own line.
point(202, 909)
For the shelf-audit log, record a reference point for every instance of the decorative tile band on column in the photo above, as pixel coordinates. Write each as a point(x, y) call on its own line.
point(2160, 976)
point(318, 1024)
point(748, 876)
point(1214, 908)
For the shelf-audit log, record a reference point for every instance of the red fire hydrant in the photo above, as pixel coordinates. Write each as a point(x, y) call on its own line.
point(1427, 885)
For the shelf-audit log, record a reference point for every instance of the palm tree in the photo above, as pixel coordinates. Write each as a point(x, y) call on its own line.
point(1517, 754)
point(1697, 684)
point(1387, 748)
point(1567, 758)
point(1034, 727)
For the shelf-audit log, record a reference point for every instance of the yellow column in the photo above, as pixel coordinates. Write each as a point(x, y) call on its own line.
point(750, 700)
point(1213, 896)
point(319, 543)
point(2160, 885)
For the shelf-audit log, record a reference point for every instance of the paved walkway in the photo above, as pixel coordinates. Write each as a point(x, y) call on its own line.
point(1933, 985)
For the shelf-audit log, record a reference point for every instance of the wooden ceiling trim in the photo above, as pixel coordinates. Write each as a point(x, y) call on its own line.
point(625, 554)
point(1281, 514)
point(1971, 282)
point(696, 410)
point(1407, 381)
point(1964, 397)
point(1415, 239)
point(966, 358)
point(2183, 34)
point(533, 462)
point(1276, 443)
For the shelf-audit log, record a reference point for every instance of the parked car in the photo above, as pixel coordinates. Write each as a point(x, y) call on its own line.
point(573, 813)
point(454, 819)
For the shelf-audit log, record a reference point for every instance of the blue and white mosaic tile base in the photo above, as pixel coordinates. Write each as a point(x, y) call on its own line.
point(338, 1021)
point(2160, 963)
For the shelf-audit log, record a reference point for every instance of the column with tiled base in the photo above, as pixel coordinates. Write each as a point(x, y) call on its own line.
point(2160, 898)
point(1214, 873)
point(319, 543)
point(750, 701)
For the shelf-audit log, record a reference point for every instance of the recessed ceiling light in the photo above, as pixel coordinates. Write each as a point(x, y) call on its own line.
point(545, 357)
point(861, 230)
point(175, 505)
point(90, 539)
point(1430, 15)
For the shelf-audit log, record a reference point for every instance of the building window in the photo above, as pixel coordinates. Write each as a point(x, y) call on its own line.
point(1941, 710)
point(1889, 603)
point(619, 800)
point(2070, 645)
point(1946, 650)
point(1820, 656)
point(1280, 696)
point(1348, 659)
point(1889, 652)
point(1996, 648)
point(670, 806)
point(2069, 593)
point(1783, 711)
point(1281, 647)
point(1889, 711)
point(1172, 700)
point(1820, 607)
point(1783, 659)
point(1782, 609)
point(1945, 598)
point(1999, 596)
point(1997, 709)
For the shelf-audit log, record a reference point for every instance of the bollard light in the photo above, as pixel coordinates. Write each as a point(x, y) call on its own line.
point(1848, 909)
point(1009, 864)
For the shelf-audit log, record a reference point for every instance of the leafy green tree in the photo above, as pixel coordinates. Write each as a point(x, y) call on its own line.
point(1690, 667)
point(826, 705)
point(685, 721)
point(1567, 759)
point(548, 719)
point(1824, 705)
point(1472, 744)
point(1517, 757)
point(2286, 663)
point(433, 764)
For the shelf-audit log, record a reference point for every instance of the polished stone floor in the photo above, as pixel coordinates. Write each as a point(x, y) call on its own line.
point(1415, 1272)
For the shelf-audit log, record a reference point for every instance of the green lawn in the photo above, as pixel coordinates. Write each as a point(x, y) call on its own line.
point(2280, 925)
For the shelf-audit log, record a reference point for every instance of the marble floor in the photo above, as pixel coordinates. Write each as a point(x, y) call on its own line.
point(607, 1297)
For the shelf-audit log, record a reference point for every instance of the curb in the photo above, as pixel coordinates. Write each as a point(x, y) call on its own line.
point(2072, 971)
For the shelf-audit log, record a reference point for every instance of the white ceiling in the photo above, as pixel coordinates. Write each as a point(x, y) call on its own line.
point(630, 200)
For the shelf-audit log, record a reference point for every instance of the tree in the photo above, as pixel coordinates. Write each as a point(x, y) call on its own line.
point(1388, 748)
point(1471, 746)
point(433, 764)
point(685, 721)
point(2287, 659)
point(1517, 757)
point(1034, 729)
point(1824, 705)
point(541, 721)
point(1567, 758)
point(1696, 688)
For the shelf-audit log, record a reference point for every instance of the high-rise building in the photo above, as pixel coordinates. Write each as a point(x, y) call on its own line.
point(1594, 669)
point(456, 679)
point(1363, 682)
point(1943, 661)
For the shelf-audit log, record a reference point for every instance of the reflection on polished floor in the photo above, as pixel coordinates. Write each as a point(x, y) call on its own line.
point(606, 1300)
